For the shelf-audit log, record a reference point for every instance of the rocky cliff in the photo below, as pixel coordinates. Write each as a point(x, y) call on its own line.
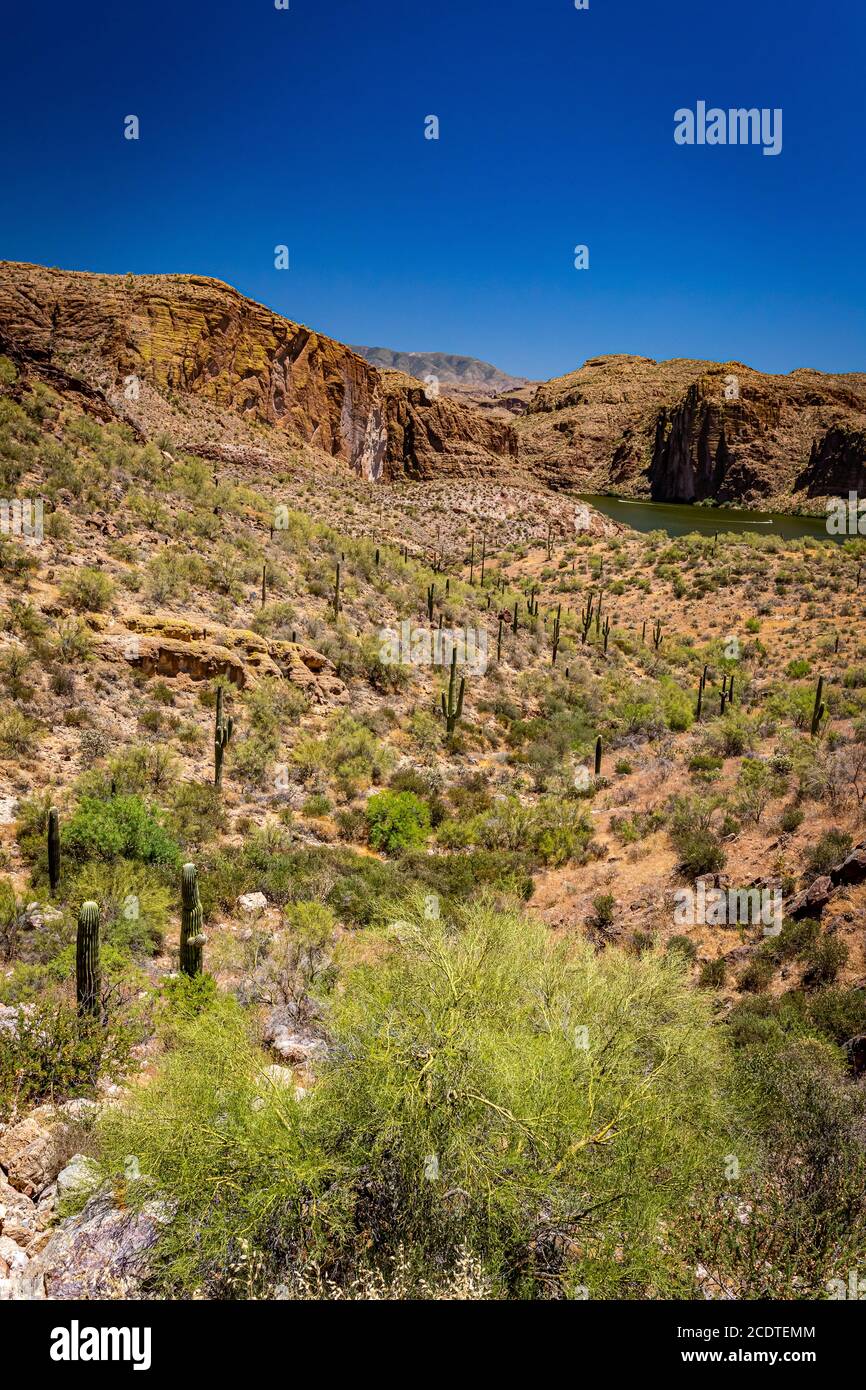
point(192, 356)
point(219, 374)
point(686, 430)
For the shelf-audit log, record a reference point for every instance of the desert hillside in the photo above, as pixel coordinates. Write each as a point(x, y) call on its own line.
point(222, 373)
point(344, 827)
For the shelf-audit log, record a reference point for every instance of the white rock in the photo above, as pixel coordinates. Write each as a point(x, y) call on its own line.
point(252, 902)
point(12, 1256)
point(80, 1176)
point(279, 1076)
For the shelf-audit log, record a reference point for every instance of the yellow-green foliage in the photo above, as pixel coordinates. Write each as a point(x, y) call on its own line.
point(489, 1087)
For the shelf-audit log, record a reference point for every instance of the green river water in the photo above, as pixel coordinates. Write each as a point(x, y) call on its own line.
point(678, 519)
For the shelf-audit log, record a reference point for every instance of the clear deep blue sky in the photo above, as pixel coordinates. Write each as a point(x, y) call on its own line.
point(306, 127)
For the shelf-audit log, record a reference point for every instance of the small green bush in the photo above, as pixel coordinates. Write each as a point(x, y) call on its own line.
point(124, 827)
point(88, 590)
point(397, 820)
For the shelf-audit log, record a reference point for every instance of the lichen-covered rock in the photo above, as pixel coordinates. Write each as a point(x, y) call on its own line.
point(80, 1175)
point(101, 1252)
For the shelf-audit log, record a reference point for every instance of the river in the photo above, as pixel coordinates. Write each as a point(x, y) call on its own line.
point(678, 519)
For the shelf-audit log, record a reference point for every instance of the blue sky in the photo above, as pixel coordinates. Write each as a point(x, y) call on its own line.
point(305, 127)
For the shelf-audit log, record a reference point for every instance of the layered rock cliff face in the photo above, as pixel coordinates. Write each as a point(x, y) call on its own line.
point(836, 464)
point(687, 430)
point(220, 375)
point(193, 355)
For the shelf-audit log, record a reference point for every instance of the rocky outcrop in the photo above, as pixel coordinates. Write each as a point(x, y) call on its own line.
point(32, 1152)
point(812, 901)
point(140, 342)
point(837, 465)
point(100, 1253)
point(166, 646)
point(684, 431)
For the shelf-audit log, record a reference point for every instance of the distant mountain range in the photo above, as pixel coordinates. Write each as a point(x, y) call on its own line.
point(449, 368)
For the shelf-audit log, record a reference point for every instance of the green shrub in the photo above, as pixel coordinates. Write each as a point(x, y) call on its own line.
point(124, 827)
point(700, 851)
point(87, 589)
point(134, 903)
point(833, 846)
point(791, 819)
point(397, 820)
point(683, 946)
point(825, 959)
point(52, 1054)
point(757, 974)
point(804, 1185)
point(465, 1105)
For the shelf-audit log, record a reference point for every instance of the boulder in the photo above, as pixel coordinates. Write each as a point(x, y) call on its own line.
point(291, 1046)
point(13, 1259)
point(32, 1151)
point(19, 1217)
point(812, 902)
point(852, 869)
point(101, 1252)
point(252, 902)
point(79, 1176)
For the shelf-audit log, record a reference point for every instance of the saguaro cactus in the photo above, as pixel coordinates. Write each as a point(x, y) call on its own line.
point(264, 585)
point(431, 598)
point(819, 709)
point(452, 709)
point(514, 620)
point(586, 618)
point(87, 971)
point(223, 730)
point(53, 850)
point(701, 685)
point(557, 622)
point(337, 602)
point(598, 756)
point(192, 936)
point(499, 641)
point(657, 633)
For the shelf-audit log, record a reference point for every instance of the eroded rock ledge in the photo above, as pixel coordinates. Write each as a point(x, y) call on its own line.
point(168, 646)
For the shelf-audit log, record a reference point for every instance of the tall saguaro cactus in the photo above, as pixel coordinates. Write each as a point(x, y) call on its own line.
point(223, 730)
point(598, 747)
point(53, 850)
point(192, 936)
point(88, 977)
point(820, 708)
point(452, 709)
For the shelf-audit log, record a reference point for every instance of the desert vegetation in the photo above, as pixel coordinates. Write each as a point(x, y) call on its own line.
point(422, 1018)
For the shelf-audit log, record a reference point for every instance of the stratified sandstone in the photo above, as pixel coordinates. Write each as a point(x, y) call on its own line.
point(140, 342)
